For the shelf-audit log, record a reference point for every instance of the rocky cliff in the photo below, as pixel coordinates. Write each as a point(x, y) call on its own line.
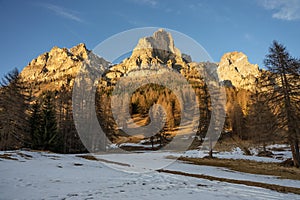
point(58, 67)
point(154, 52)
point(234, 69)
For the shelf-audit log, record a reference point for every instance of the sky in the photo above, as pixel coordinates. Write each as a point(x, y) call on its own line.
point(32, 27)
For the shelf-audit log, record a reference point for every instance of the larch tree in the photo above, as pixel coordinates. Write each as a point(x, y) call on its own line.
point(283, 91)
point(261, 124)
point(13, 115)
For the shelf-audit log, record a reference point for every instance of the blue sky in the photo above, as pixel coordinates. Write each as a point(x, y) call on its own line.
point(30, 28)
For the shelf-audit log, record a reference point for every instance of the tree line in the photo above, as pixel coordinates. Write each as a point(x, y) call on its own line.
point(42, 122)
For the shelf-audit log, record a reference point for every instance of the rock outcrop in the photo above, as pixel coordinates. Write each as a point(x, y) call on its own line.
point(159, 47)
point(55, 64)
point(234, 69)
point(57, 67)
point(153, 52)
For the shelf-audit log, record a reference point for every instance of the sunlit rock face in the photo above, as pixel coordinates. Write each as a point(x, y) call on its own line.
point(235, 69)
point(156, 53)
point(58, 67)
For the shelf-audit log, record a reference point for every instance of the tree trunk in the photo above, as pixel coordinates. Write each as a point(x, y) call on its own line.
point(264, 147)
point(210, 148)
point(295, 153)
point(291, 124)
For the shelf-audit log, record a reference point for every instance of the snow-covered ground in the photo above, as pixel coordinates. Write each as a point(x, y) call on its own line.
point(230, 174)
point(281, 152)
point(40, 175)
point(237, 153)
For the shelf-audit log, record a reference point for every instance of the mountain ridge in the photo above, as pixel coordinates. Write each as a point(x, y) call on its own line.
point(60, 66)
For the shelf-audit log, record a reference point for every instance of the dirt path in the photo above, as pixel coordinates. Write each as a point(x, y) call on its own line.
point(274, 187)
point(88, 157)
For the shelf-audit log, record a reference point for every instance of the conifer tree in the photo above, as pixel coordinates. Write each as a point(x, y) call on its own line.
point(261, 124)
point(283, 91)
point(49, 124)
point(13, 116)
point(43, 125)
point(35, 125)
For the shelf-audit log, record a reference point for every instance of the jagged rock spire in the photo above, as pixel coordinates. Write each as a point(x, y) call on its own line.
point(235, 68)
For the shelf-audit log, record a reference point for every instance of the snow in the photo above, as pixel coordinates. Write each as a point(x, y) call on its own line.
point(149, 162)
point(277, 146)
point(41, 175)
point(139, 162)
point(237, 153)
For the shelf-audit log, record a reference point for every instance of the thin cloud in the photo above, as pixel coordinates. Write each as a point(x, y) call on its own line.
point(195, 6)
point(66, 13)
point(151, 3)
point(247, 36)
point(134, 22)
point(283, 9)
point(173, 11)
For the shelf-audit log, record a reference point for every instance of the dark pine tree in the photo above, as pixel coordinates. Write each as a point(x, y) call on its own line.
point(35, 125)
point(49, 125)
point(43, 125)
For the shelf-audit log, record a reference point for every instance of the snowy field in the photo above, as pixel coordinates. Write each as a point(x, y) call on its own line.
point(237, 153)
point(40, 175)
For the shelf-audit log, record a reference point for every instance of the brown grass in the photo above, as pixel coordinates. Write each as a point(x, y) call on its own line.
point(248, 166)
point(274, 187)
point(23, 155)
point(7, 157)
point(90, 157)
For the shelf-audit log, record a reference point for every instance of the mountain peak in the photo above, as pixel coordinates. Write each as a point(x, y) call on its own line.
point(235, 67)
point(157, 50)
point(80, 50)
point(160, 44)
point(56, 66)
point(153, 52)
